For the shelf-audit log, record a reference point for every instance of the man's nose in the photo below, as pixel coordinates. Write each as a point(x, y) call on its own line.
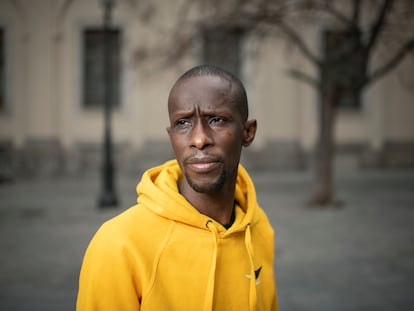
point(201, 136)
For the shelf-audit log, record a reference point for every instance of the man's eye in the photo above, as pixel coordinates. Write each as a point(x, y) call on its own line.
point(216, 120)
point(183, 123)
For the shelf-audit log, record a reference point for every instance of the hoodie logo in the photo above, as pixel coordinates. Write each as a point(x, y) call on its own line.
point(256, 275)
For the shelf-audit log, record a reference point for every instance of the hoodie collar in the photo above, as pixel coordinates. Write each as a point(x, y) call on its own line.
point(158, 191)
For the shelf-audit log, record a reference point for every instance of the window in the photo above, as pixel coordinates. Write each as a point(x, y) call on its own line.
point(93, 67)
point(336, 45)
point(223, 49)
point(2, 70)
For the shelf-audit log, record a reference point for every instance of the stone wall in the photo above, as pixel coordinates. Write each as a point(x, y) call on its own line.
point(47, 158)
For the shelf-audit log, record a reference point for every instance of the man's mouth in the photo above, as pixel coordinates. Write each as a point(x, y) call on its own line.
point(202, 165)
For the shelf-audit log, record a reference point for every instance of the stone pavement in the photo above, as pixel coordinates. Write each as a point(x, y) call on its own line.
point(357, 257)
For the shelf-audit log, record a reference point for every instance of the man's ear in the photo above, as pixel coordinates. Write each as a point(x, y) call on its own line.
point(250, 127)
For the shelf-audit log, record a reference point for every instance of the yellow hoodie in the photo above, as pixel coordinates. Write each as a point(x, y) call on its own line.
point(162, 254)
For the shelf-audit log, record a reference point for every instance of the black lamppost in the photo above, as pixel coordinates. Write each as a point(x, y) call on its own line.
point(108, 197)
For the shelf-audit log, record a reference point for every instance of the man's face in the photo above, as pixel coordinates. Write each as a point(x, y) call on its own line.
point(207, 132)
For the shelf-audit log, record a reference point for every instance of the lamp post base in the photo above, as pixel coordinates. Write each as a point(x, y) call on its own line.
point(108, 197)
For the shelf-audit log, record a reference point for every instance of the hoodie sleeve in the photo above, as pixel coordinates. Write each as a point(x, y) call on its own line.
point(106, 281)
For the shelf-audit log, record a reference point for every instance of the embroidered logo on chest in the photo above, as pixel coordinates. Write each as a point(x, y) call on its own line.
point(256, 275)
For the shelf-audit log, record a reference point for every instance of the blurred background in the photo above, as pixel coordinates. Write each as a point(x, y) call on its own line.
point(83, 92)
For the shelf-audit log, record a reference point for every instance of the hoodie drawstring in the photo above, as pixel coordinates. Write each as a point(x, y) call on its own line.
point(208, 302)
point(252, 288)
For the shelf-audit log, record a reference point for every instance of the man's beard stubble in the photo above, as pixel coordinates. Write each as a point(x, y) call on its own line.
point(208, 188)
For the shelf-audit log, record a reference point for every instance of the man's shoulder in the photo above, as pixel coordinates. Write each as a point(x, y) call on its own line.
point(134, 223)
point(136, 231)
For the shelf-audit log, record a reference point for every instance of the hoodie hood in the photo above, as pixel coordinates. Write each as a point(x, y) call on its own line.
point(160, 184)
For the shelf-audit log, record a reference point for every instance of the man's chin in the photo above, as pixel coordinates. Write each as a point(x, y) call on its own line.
point(207, 187)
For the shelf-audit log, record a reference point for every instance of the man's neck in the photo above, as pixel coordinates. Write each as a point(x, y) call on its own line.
point(218, 205)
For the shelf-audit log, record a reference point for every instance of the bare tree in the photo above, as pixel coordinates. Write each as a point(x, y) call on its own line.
point(357, 30)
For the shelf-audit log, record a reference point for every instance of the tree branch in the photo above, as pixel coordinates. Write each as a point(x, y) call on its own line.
point(304, 77)
point(356, 12)
point(337, 14)
point(392, 63)
point(379, 24)
point(63, 9)
point(300, 43)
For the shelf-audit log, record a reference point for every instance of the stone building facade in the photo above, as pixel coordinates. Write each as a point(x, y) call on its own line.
point(51, 119)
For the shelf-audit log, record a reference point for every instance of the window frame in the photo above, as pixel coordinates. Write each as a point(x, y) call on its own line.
point(210, 34)
point(117, 81)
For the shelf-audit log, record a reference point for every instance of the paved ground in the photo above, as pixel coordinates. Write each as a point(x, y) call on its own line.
point(358, 257)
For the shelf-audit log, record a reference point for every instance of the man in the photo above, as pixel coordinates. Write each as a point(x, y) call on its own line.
point(197, 239)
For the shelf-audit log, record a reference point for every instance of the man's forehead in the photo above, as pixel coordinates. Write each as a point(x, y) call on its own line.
point(195, 89)
point(199, 87)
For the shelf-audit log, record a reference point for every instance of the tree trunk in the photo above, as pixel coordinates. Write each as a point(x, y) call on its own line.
point(323, 193)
